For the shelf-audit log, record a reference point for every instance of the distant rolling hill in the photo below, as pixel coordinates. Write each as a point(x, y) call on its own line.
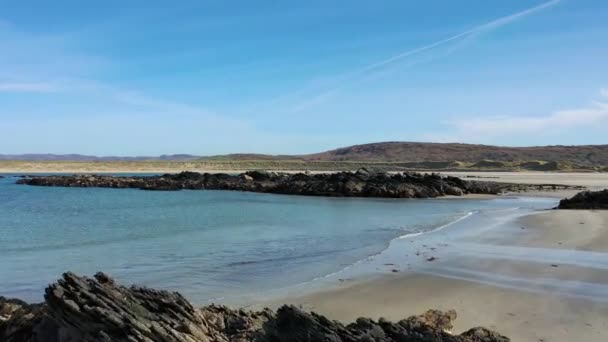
point(588, 155)
point(250, 156)
point(386, 155)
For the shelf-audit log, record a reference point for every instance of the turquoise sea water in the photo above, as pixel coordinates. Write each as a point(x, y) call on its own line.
point(209, 245)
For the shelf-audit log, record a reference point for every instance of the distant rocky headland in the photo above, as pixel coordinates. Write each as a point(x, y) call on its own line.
point(586, 200)
point(84, 309)
point(362, 183)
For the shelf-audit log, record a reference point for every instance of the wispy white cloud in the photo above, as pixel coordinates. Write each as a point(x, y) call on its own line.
point(41, 62)
point(27, 87)
point(37, 62)
point(100, 117)
point(604, 92)
point(508, 125)
point(487, 129)
point(354, 76)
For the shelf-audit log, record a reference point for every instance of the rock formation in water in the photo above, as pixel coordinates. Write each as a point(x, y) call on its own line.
point(586, 200)
point(343, 184)
point(83, 309)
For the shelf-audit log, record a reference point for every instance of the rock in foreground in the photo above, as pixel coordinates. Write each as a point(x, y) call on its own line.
point(83, 309)
point(343, 184)
point(586, 200)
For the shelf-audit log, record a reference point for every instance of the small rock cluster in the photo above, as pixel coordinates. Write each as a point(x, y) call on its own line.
point(586, 200)
point(83, 309)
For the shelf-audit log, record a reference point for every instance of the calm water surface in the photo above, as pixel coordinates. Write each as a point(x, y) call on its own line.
point(209, 245)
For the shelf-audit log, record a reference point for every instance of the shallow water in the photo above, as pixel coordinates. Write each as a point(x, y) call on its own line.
point(209, 245)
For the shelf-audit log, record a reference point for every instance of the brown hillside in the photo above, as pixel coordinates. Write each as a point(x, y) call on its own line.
point(587, 155)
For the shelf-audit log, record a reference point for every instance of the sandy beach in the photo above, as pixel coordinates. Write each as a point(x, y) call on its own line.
point(567, 229)
point(523, 316)
point(540, 277)
point(592, 180)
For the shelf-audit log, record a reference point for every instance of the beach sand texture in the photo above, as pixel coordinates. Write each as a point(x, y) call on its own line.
point(540, 296)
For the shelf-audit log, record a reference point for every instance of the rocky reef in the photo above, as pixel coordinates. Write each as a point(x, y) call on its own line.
point(586, 200)
point(362, 183)
point(84, 309)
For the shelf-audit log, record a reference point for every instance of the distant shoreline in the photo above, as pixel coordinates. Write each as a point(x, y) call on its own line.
point(126, 170)
point(157, 166)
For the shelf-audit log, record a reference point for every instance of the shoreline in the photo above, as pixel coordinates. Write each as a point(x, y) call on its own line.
point(387, 261)
point(545, 281)
point(470, 174)
point(327, 282)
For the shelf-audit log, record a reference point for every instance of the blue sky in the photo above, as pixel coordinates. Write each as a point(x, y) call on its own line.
point(212, 77)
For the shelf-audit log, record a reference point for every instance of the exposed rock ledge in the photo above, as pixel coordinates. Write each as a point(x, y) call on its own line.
point(344, 184)
point(83, 309)
point(586, 200)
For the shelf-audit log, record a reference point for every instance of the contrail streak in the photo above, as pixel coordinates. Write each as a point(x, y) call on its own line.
point(478, 29)
point(493, 24)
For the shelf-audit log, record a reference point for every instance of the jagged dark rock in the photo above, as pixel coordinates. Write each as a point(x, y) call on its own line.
point(20, 321)
point(363, 183)
point(83, 309)
point(586, 200)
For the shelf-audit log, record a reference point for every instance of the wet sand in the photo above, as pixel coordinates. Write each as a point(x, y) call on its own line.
point(545, 279)
point(523, 316)
point(584, 230)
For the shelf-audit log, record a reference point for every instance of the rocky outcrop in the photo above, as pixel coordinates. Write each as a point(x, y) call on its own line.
point(362, 183)
point(294, 325)
point(20, 321)
point(83, 309)
point(586, 200)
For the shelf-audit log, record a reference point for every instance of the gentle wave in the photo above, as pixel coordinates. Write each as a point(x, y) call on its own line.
point(372, 256)
point(409, 235)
